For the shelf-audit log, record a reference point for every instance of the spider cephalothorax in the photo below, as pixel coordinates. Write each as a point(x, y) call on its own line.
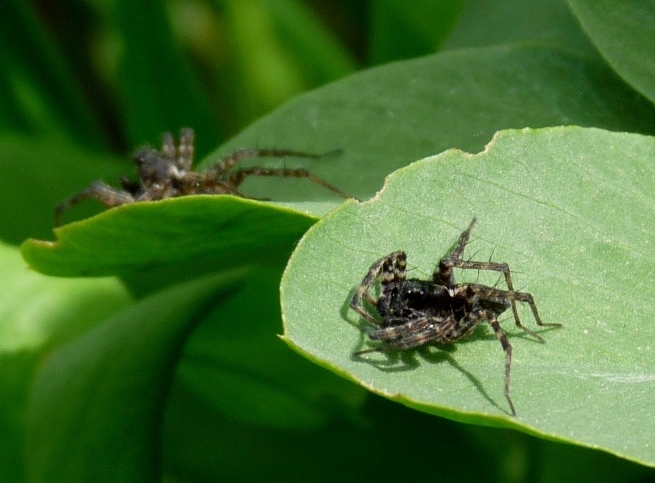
point(168, 173)
point(413, 312)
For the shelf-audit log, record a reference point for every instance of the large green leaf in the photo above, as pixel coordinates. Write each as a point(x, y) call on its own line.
point(571, 211)
point(386, 117)
point(623, 32)
point(36, 313)
point(234, 363)
point(97, 401)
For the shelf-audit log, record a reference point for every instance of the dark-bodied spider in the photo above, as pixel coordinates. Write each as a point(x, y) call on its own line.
point(416, 312)
point(168, 173)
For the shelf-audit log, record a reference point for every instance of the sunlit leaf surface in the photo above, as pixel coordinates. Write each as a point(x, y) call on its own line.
point(571, 211)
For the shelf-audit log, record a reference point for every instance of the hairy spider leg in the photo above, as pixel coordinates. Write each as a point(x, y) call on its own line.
point(185, 150)
point(228, 162)
point(105, 194)
point(445, 276)
point(406, 336)
point(236, 178)
point(194, 182)
point(443, 330)
point(181, 155)
point(510, 294)
point(444, 273)
point(490, 317)
point(392, 268)
point(394, 332)
point(224, 165)
point(168, 148)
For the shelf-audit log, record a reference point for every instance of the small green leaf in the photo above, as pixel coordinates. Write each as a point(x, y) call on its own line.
point(571, 211)
point(97, 402)
point(623, 32)
point(197, 234)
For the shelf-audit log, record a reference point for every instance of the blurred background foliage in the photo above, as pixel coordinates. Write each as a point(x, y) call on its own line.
point(115, 74)
point(112, 75)
point(94, 79)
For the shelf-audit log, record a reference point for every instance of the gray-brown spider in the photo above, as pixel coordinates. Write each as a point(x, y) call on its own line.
point(417, 312)
point(168, 173)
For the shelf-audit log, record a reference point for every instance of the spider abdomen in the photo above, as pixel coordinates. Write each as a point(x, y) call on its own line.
point(408, 297)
